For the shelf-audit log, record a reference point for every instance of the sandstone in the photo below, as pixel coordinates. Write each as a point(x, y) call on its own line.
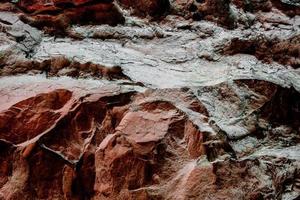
point(57, 16)
point(59, 66)
point(176, 100)
point(268, 50)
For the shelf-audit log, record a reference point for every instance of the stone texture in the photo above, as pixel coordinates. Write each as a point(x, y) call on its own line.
point(196, 101)
point(147, 7)
point(55, 17)
point(283, 51)
point(141, 145)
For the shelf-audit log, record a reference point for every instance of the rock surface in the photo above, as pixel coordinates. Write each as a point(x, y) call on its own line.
point(56, 16)
point(155, 99)
point(146, 7)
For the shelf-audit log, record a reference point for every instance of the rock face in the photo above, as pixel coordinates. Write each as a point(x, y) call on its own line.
point(144, 7)
point(225, 12)
point(183, 100)
point(63, 66)
point(56, 16)
point(116, 144)
point(285, 51)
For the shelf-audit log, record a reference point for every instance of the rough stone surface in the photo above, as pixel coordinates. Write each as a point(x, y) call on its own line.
point(147, 7)
point(173, 100)
point(56, 16)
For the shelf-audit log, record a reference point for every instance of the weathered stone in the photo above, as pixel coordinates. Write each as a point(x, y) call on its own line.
point(199, 102)
point(144, 7)
point(56, 16)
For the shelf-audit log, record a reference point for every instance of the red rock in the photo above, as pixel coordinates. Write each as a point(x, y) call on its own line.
point(78, 2)
point(97, 134)
point(51, 5)
point(36, 5)
point(60, 65)
point(112, 145)
point(56, 16)
point(34, 120)
point(285, 52)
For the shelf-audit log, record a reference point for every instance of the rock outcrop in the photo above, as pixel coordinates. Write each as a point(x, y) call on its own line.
point(159, 144)
point(286, 52)
point(60, 66)
point(149, 99)
point(56, 16)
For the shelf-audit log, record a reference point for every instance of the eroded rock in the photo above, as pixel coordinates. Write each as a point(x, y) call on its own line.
point(200, 103)
point(55, 17)
point(144, 7)
point(62, 66)
point(285, 52)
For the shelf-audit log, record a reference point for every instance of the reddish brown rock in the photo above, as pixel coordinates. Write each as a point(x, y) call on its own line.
point(254, 6)
point(223, 12)
point(286, 52)
point(35, 121)
point(60, 66)
point(64, 141)
point(289, 7)
point(218, 11)
point(56, 16)
point(152, 145)
point(212, 10)
point(75, 129)
point(37, 5)
point(8, 7)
